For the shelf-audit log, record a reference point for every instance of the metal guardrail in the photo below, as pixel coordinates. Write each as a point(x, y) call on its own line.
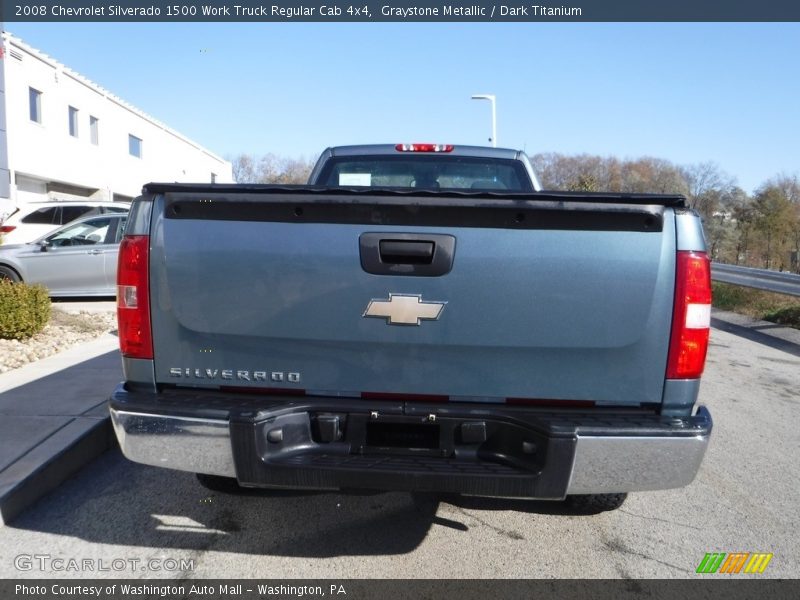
point(761, 279)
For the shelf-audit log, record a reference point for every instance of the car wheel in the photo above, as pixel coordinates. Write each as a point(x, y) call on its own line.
point(9, 274)
point(592, 504)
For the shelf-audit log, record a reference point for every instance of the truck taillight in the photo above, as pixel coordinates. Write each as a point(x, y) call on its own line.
point(691, 317)
point(133, 299)
point(424, 147)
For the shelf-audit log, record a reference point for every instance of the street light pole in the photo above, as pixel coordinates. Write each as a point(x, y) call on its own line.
point(490, 98)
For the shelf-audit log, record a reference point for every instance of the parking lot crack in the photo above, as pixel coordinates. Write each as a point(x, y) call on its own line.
point(514, 535)
point(661, 520)
point(617, 546)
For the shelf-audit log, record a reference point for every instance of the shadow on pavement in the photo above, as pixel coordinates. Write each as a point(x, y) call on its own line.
point(754, 335)
point(114, 501)
point(118, 502)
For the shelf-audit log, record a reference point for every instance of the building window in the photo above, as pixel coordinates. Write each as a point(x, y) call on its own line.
point(73, 121)
point(35, 103)
point(213, 178)
point(134, 146)
point(94, 130)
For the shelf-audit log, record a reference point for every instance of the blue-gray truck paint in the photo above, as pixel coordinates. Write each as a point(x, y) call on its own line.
point(527, 315)
point(561, 315)
point(586, 319)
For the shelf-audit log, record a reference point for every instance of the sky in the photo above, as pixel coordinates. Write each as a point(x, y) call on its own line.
point(726, 93)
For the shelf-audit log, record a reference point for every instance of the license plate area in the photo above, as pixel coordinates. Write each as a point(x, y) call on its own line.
point(382, 450)
point(393, 437)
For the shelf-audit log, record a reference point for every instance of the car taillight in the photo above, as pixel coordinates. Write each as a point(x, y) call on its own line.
point(133, 299)
point(691, 317)
point(7, 228)
point(424, 147)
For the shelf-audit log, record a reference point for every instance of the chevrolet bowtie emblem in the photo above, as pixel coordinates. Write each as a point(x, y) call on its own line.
point(404, 310)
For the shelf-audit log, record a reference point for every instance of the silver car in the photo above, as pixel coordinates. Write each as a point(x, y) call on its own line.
point(79, 259)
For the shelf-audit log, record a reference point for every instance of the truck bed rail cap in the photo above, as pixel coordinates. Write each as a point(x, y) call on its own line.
point(672, 200)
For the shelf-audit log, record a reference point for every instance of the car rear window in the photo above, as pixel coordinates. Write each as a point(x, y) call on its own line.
point(43, 216)
point(426, 172)
point(70, 213)
point(120, 231)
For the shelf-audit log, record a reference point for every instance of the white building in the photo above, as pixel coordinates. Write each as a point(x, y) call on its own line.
point(64, 137)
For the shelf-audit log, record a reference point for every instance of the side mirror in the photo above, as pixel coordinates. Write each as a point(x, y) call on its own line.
point(44, 245)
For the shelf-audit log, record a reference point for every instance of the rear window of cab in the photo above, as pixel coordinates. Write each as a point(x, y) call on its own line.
point(446, 172)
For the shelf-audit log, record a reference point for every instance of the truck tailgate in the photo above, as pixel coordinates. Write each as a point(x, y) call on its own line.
point(543, 299)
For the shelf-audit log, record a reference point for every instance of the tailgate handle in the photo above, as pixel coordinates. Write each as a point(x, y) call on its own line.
point(410, 254)
point(406, 252)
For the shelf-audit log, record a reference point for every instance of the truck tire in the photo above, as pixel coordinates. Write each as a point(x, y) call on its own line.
point(592, 504)
point(217, 483)
point(9, 274)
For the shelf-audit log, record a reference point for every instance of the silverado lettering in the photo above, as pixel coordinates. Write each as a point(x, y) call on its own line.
point(275, 376)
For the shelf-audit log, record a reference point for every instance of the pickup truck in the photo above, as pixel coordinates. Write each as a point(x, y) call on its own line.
point(418, 318)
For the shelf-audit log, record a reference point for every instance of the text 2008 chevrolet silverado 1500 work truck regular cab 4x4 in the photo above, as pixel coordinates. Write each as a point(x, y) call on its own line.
point(419, 318)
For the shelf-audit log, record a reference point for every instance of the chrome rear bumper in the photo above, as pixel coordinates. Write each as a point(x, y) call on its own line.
point(185, 444)
point(587, 463)
point(634, 464)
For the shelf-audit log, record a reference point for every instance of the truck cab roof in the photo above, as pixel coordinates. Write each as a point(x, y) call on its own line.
point(494, 168)
point(457, 150)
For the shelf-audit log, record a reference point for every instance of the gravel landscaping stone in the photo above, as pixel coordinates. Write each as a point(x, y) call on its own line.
point(64, 330)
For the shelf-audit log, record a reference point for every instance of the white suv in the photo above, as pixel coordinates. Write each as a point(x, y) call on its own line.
point(35, 219)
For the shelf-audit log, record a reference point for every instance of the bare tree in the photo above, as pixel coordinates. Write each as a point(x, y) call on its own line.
point(244, 169)
point(774, 216)
point(607, 174)
point(743, 218)
point(271, 168)
point(708, 187)
point(778, 200)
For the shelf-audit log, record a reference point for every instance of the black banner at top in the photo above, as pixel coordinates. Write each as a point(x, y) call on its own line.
point(533, 11)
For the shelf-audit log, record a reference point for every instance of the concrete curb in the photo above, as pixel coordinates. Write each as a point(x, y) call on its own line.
point(51, 463)
point(770, 334)
point(54, 421)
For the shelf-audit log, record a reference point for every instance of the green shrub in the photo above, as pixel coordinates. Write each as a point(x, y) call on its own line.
point(731, 297)
point(749, 301)
point(768, 306)
point(24, 310)
point(786, 316)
